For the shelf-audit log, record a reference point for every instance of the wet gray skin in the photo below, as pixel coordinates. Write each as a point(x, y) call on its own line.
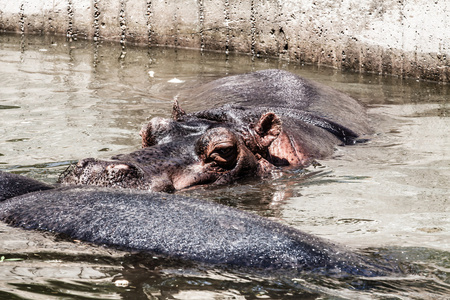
point(178, 227)
point(12, 185)
point(269, 119)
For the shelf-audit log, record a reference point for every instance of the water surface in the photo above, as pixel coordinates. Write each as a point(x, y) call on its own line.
point(62, 101)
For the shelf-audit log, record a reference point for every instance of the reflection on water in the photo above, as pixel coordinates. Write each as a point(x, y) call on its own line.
point(61, 101)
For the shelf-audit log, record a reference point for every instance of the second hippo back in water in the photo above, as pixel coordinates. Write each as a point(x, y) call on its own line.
point(269, 119)
point(177, 227)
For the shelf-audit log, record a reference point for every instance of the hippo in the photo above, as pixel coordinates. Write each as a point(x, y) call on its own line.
point(268, 120)
point(175, 226)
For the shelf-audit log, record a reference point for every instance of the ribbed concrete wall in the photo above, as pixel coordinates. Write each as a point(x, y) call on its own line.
point(401, 37)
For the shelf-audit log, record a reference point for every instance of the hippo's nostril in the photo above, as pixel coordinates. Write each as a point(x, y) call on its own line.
point(84, 162)
point(168, 189)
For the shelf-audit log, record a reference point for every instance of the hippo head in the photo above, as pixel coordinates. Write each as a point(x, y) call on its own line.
point(211, 147)
point(272, 118)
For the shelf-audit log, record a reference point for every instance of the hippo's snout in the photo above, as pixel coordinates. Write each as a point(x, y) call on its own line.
point(90, 171)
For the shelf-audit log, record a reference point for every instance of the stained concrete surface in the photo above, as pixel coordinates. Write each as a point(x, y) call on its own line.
point(408, 38)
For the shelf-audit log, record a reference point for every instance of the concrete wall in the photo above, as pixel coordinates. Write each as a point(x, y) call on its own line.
point(401, 37)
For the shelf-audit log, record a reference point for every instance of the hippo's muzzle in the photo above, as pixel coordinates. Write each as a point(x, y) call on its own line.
point(91, 171)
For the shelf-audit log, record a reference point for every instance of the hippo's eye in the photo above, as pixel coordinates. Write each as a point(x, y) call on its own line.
point(224, 154)
point(224, 151)
point(219, 146)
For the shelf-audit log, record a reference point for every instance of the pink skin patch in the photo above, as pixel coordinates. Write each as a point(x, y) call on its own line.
point(286, 148)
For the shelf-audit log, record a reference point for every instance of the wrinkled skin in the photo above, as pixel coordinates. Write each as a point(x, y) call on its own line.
point(269, 119)
point(175, 226)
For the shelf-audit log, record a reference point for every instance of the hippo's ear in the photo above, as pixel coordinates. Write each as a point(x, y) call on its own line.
point(177, 111)
point(268, 128)
point(146, 134)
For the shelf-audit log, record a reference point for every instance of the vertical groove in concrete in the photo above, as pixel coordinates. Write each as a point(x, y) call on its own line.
point(123, 27)
point(252, 27)
point(149, 14)
point(201, 18)
point(22, 19)
point(227, 25)
point(96, 17)
point(69, 32)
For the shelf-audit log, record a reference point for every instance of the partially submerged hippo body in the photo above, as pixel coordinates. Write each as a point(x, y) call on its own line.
point(174, 226)
point(272, 118)
point(269, 119)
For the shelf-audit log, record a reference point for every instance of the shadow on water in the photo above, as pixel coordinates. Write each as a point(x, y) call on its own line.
point(265, 197)
point(62, 101)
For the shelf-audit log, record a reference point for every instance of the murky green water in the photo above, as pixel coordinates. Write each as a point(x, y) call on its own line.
point(62, 101)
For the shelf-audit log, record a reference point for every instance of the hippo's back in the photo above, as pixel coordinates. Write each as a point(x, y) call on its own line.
point(178, 226)
point(12, 185)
